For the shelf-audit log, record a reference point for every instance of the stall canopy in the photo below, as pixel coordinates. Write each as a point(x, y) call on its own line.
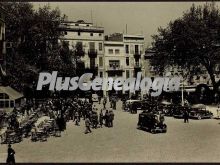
point(9, 97)
point(12, 94)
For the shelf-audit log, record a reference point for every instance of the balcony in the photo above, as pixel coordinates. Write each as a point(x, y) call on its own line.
point(92, 53)
point(137, 65)
point(137, 55)
point(115, 68)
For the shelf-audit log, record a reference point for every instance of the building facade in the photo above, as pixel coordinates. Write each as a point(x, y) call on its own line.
point(86, 41)
point(123, 56)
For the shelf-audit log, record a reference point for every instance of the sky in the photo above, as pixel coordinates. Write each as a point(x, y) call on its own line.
point(140, 17)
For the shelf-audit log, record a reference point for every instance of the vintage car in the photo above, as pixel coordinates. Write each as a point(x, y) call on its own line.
point(133, 105)
point(178, 111)
point(168, 110)
point(151, 122)
point(200, 114)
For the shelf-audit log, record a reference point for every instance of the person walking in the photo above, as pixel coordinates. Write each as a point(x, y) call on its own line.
point(186, 116)
point(101, 117)
point(111, 118)
point(77, 118)
point(11, 157)
point(87, 124)
point(104, 102)
point(107, 117)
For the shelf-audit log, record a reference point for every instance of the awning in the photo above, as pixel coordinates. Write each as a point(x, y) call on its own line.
point(13, 94)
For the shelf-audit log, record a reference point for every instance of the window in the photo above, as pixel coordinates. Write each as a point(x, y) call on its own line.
point(91, 34)
point(92, 62)
point(127, 49)
point(92, 45)
point(79, 33)
point(110, 51)
point(114, 63)
point(100, 34)
point(100, 62)
point(2, 104)
point(136, 49)
point(76, 24)
point(65, 33)
point(117, 51)
point(100, 46)
point(127, 74)
point(127, 61)
point(6, 104)
point(101, 74)
point(12, 104)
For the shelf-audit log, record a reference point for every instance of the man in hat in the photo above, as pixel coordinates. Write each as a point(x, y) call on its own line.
point(11, 153)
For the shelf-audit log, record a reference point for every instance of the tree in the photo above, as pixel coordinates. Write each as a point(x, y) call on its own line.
point(34, 34)
point(190, 41)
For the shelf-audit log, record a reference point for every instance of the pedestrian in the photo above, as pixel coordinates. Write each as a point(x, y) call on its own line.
point(77, 118)
point(87, 124)
point(107, 115)
point(218, 109)
point(186, 116)
point(99, 98)
point(111, 118)
point(104, 102)
point(11, 153)
point(101, 117)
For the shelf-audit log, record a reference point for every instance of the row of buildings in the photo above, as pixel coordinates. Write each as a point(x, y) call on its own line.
point(115, 55)
point(118, 54)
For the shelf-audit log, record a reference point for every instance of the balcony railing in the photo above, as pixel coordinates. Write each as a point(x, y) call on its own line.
point(137, 65)
point(92, 53)
point(92, 67)
point(137, 55)
point(115, 68)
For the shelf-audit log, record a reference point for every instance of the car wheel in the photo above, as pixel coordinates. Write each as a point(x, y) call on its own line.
point(199, 117)
point(152, 131)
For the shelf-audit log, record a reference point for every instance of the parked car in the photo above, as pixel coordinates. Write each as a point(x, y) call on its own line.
point(133, 105)
point(178, 112)
point(200, 114)
point(151, 122)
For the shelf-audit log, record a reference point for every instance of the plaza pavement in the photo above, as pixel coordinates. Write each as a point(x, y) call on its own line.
point(196, 141)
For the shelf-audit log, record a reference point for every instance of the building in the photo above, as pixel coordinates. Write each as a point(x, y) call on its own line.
point(134, 54)
point(123, 56)
point(86, 40)
point(114, 58)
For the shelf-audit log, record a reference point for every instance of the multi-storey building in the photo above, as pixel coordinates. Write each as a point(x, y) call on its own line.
point(114, 57)
point(123, 55)
point(134, 54)
point(86, 40)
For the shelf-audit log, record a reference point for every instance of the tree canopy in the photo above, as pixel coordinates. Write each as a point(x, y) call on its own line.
point(190, 41)
point(34, 36)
